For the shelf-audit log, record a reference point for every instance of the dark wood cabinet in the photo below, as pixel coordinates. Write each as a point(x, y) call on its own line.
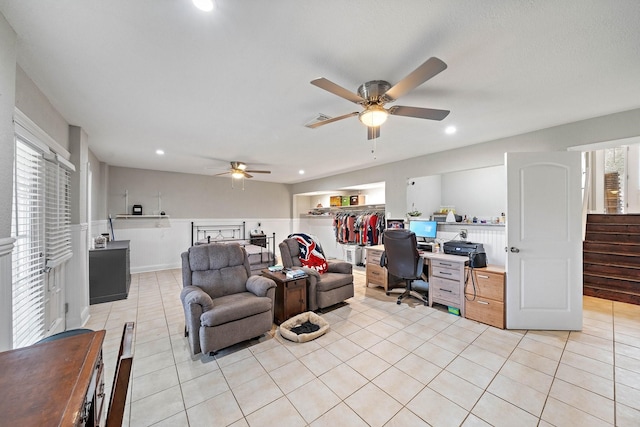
point(109, 272)
point(291, 295)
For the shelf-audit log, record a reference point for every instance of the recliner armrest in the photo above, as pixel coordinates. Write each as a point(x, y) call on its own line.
point(195, 295)
point(340, 267)
point(260, 285)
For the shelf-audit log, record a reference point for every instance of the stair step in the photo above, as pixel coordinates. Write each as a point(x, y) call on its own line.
point(613, 219)
point(612, 283)
point(607, 248)
point(613, 228)
point(612, 295)
point(631, 273)
point(629, 260)
point(601, 236)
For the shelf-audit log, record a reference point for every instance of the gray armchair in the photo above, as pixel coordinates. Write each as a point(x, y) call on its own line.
point(223, 304)
point(323, 290)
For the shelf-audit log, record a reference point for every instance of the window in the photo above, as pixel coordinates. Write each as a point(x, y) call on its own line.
point(40, 224)
point(27, 227)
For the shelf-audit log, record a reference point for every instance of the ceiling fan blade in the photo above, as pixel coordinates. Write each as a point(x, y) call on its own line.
point(252, 171)
point(419, 113)
point(331, 120)
point(246, 175)
point(335, 89)
point(427, 70)
point(223, 173)
point(373, 132)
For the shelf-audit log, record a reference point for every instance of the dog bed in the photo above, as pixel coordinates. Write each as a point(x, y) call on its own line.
point(296, 321)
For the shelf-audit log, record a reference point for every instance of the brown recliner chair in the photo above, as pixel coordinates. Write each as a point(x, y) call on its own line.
point(223, 304)
point(323, 290)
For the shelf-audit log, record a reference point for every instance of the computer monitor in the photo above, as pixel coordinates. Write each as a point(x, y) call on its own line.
point(425, 229)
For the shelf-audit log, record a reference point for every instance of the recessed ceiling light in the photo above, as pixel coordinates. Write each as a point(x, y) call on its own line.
point(450, 130)
point(160, 152)
point(301, 172)
point(204, 5)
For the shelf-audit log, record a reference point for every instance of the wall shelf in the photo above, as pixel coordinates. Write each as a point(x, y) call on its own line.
point(126, 216)
point(327, 211)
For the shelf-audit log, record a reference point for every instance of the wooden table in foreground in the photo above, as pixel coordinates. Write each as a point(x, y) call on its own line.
point(56, 383)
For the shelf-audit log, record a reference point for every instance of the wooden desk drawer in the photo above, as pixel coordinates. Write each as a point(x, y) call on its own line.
point(373, 257)
point(485, 310)
point(445, 272)
point(444, 289)
point(376, 274)
point(488, 285)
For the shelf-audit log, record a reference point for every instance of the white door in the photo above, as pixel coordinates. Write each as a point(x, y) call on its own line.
point(544, 241)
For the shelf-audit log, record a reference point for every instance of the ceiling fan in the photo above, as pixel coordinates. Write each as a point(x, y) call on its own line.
point(373, 95)
point(239, 170)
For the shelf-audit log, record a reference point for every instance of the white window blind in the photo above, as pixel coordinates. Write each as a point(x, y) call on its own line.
point(27, 227)
point(58, 214)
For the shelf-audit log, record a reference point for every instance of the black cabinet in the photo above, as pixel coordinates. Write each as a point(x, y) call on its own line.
point(109, 274)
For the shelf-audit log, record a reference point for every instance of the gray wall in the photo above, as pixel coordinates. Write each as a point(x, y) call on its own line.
point(7, 102)
point(99, 180)
point(195, 196)
point(605, 128)
point(35, 105)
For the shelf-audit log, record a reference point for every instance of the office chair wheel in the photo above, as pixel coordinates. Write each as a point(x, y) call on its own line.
point(398, 302)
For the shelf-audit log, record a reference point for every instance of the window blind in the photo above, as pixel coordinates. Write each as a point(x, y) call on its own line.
point(57, 214)
point(27, 227)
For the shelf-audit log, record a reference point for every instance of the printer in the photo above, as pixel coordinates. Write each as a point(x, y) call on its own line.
point(475, 251)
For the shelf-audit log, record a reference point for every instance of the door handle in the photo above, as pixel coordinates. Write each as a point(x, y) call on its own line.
point(514, 250)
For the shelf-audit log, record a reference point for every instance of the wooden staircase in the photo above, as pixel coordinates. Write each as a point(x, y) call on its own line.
point(611, 257)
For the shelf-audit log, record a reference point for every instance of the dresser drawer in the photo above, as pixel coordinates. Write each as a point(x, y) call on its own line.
point(444, 289)
point(489, 284)
point(485, 310)
point(373, 256)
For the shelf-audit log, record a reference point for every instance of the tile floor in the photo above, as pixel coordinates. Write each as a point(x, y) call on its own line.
point(379, 365)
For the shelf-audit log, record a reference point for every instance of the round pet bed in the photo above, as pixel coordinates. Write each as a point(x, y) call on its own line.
point(286, 326)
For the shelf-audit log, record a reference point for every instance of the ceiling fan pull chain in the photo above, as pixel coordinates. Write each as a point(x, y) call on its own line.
point(373, 151)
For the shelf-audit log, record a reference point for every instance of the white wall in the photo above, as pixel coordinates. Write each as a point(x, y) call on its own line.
point(478, 192)
point(424, 194)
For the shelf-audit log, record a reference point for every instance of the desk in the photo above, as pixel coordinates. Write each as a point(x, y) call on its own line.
point(446, 276)
point(56, 383)
point(446, 279)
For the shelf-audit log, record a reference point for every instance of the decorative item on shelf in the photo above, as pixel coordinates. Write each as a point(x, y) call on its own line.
point(335, 201)
point(451, 217)
point(414, 213)
point(100, 242)
point(136, 210)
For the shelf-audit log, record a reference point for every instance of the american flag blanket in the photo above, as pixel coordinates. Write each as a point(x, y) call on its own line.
point(311, 254)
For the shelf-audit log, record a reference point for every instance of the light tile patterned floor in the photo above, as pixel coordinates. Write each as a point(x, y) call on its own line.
point(380, 365)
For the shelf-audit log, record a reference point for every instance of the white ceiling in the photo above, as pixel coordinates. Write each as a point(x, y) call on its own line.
point(234, 84)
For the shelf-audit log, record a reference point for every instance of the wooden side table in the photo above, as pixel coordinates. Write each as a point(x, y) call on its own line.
point(291, 295)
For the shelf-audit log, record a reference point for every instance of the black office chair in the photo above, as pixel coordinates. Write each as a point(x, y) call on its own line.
point(402, 259)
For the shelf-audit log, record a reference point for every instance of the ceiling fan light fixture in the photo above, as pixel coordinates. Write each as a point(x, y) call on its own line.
point(373, 116)
point(237, 174)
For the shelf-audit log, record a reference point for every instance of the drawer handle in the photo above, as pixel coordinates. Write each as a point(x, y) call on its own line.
point(483, 302)
point(445, 273)
point(444, 263)
point(483, 277)
point(446, 290)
